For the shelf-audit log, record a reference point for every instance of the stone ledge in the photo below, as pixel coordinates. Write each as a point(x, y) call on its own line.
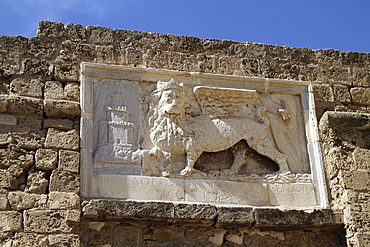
point(353, 120)
point(100, 209)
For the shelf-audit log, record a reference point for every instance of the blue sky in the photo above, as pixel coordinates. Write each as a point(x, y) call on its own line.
point(316, 24)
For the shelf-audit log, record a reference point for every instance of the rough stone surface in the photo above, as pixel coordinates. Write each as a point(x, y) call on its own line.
point(21, 200)
point(361, 96)
point(63, 200)
point(46, 159)
point(10, 221)
point(30, 240)
point(69, 160)
point(61, 108)
point(62, 140)
point(70, 240)
point(22, 87)
point(64, 181)
point(36, 183)
point(59, 123)
point(50, 221)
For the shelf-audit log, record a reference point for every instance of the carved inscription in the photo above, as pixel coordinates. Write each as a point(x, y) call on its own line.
point(297, 194)
point(139, 187)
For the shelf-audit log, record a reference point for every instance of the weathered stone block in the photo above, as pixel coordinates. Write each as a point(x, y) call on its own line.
point(70, 240)
point(119, 208)
point(360, 76)
point(195, 211)
point(3, 201)
point(66, 69)
point(46, 159)
point(58, 123)
point(50, 221)
point(341, 93)
point(30, 240)
point(4, 102)
point(20, 200)
point(337, 159)
point(356, 180)
point(32, 140)
point(69, 160)
point(64, 181)
point(323, 93)
point(361, 158)
point(53, 90)
point(10, 221)
point(29, 120)
point(99, 35)
point(9, 64)
point(360, 95)
point(50, 29)
point(63, 200)
point(25, 105)
point(61, 109)
point(36, 183)
point(34, 66)
point(7, 180)
point(7, 119)
point(62, 140)
point(42, 47)
point(133, 236)
point(235, 215)
point(72, 91)
point(24, 87)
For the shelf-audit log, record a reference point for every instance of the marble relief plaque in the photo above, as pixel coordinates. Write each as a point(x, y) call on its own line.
point(176, 136)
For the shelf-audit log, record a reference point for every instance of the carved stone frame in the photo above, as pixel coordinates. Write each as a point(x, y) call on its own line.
point(91, 71)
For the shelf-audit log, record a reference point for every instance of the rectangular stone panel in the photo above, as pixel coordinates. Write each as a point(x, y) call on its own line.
point(138, 187)
point(163, 135)
point(226, 192)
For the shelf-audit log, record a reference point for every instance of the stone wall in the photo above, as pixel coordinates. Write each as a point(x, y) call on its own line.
point(39, 141)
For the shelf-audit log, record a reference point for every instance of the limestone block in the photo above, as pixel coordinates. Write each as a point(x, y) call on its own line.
point(341, 93)
point(72, 91)
point(61, 109)
point(5, 135)
point(3, 201)
point(357, 180)
point(58, 123)
point(10, 221)
point(29, 120)
point(46, 159)
point(323, 93)
point(8, 119)
point(195, 211)
point(64, 181)
point(16, 44)
point(69, 160)
point(62, 140)
point(235, 215)
point(24, 87)
point(7, 180)
point(21, 200)
point(42, 47)
point(132, 234)
point(50, 29)
point(18, 157)
point(167, 234)
point(34, 66)
point(32, 140)
point(71, 240)
point(10, 64)
point(121, 208)
point(360, 76)
point(36, 183)
point(25, 105)
point(4, 102)
point(99, 35)
point(67, 70)
point(360, 95)
point(361, 158)
point(50, 221)
point(30, 240)
point(218, 237)
point(292, 194)
point(63, 200)
point(105, 54)
point(53, 90)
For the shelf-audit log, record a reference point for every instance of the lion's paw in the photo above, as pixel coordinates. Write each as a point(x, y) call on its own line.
point(186, 171)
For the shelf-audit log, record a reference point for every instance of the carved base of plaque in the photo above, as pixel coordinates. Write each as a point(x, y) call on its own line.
point(204, 191)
